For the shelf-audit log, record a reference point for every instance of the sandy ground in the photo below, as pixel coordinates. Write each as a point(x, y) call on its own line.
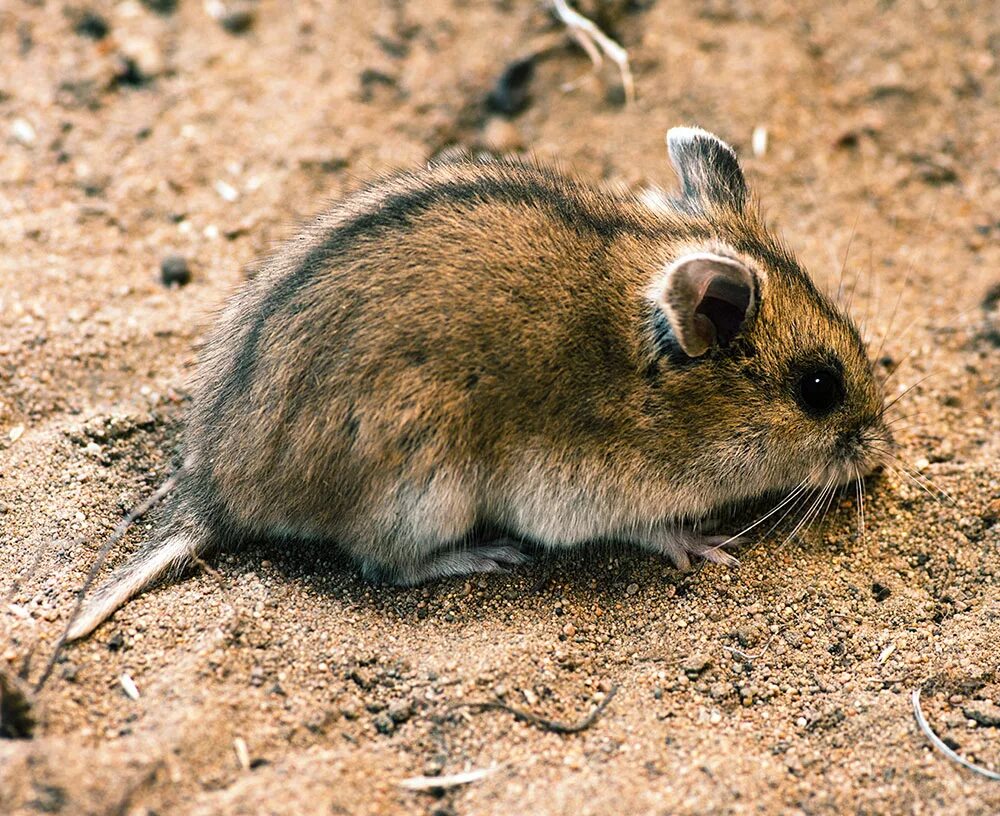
point(285, 684)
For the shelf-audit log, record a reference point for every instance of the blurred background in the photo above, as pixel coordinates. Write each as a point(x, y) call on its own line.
point(151, 151)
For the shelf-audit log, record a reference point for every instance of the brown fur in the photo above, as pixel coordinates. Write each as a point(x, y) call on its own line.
point(477, 343)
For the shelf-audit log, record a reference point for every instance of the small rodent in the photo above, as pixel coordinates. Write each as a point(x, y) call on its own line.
point(489, 343)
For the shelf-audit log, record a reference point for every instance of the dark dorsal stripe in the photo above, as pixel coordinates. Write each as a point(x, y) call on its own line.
point(397, 212)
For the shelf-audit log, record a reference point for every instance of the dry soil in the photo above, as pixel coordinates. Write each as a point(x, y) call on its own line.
point(278, 681)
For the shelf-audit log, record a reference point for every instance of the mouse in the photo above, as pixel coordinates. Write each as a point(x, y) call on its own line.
point(490, 342)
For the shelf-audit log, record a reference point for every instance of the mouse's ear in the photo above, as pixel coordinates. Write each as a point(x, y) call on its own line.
point(707, 299)
point(709, 171)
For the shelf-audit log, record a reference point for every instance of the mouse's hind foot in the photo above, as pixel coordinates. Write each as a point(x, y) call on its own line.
point(494, 557)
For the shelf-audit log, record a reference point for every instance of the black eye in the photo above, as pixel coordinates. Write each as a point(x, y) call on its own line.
point(820, 391)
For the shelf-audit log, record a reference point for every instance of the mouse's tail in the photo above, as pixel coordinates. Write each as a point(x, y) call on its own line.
point(183, 539)
point(160, 557)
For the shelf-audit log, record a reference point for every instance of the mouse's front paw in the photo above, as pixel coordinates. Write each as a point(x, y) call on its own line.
point(711, 548)
point(679, 545)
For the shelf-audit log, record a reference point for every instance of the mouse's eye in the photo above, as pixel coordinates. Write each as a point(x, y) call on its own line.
point(820, 391)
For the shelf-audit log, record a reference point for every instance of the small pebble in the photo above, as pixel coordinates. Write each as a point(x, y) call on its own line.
point(400, 711)
point(758, 141)
point(127, 73)
point(23, 131)
point(983, 712)
point(147, 56)
point(161, 6)
point(174, 271)
point(631, 589)
point(695, 665)
point(383, 724)
point(510, 94)
point(129, 686)
point(227, 191)
point(363, 677)
point(242, 753)
point(91, 24)
point(880, 591)
point(235, 17)
point(434, 765)
point(992, 298)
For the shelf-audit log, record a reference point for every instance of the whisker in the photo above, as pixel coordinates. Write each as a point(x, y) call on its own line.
point(831, 495)
point(815, 496)
point(892, 317)
point(910, 476)
point(911, 264)
point(955, 319)
point(859, 491)
point(828, 494)
point(874, 294)
point(924, 482)
point(795, 491)
point(811, 514)
point(899, 396)
point(791, 495)
point(894, 420)
point(802, 498)
point(897, 367)
point(847, 255)
point(807, 519)
point(900, 467)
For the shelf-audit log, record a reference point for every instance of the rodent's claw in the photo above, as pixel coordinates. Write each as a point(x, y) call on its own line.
point(710, 548)
point(505, 554)
point(679, 544)
point(495, 557)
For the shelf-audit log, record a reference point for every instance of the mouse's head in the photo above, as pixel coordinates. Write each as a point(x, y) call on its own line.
point(777, 376)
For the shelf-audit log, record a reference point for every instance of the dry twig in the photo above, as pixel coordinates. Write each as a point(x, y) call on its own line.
point(596, 43)
point(423, 783)
point(552, 726)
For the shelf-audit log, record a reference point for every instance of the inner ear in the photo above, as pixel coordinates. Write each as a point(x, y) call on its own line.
point(724, 305)
point(708, 300)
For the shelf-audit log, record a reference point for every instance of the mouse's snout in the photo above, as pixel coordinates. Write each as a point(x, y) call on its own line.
point(859, 452)
point(875, 448)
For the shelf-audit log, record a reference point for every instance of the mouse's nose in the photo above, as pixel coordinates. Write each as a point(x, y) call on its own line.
point(849, 443)
point(866, 449)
